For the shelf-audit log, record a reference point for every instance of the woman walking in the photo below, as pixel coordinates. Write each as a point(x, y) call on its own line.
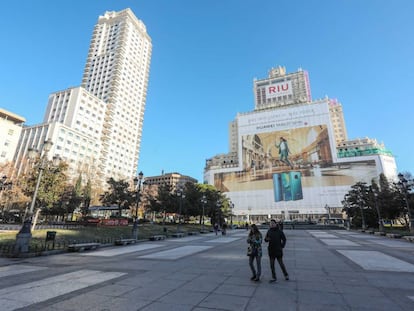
point(255, 252)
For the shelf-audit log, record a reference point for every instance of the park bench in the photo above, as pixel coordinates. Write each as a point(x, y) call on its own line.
point(193, 233)
point(178, 235)
point(157, 237)
point(393, 235)
point(409, 238)
point(379, 233)
point(125, 241)
point(79, 247)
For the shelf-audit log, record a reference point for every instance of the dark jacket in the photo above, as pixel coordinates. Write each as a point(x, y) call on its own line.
point(277, 241)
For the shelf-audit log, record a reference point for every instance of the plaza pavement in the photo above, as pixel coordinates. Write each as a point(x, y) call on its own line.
point(329, 270)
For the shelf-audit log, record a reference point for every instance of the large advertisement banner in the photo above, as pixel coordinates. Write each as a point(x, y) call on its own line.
point(288, 164)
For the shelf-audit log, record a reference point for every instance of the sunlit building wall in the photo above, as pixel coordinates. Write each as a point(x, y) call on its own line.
point(10, 128)
point(117, 71)
point(97, 128)
point(317, 167)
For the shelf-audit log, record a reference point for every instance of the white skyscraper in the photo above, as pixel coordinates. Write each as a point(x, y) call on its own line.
point(96, 128)
point(117, 71)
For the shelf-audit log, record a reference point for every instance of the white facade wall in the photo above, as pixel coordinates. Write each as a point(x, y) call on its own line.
point(78, 109)
point(117, 71)
point(80, 151)
point(281, 89)
point(10, 129)
point(233, 136)
point(97, 127)
point(338, 121)
point(315, 173)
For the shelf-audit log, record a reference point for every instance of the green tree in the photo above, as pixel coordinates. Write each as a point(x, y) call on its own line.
point(118, 194)
point(52, 184)
point(87, 196)
point(161, 201)
point(388, 192)
point(359, 205)
point(404, 198)
point(192, 201)
point(75, 196)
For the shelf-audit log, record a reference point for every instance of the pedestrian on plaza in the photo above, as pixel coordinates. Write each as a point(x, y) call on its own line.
point(254, 251)
point(216, 227)
point(224, 229)
point(277, 241)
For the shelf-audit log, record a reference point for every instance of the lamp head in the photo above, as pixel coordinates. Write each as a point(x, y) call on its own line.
point(47, 145)
point(32, 153)
point(56, 160)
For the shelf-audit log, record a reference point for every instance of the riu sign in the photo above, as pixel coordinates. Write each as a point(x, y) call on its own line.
point(279, 89)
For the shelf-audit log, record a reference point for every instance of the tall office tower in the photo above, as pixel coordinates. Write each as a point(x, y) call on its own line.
point(338, 121)
point(117, 71)
point(281, 89)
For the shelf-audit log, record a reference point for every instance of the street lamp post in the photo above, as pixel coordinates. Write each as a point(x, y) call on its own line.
point(375, 193)
point(137, 185)
point(231, 204)
point(181, 195)
point(328, 209)
point(404, 186)
point(203, 202)
point(25, 235)
point(218, 204)
point(360, 201)
point(248, 215)
point(348, 220)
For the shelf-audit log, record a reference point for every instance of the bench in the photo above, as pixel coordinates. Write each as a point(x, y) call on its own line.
point(80, 247)
point(178, 235)
point(409, 238)
point(379, 233)
point(157, 237)
point(125, 241)
point(394, 235)
point(193, 233)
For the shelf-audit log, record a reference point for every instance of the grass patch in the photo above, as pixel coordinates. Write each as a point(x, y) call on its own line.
point(99, 234)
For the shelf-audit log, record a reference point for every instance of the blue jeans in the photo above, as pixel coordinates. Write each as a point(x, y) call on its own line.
point(258, 265)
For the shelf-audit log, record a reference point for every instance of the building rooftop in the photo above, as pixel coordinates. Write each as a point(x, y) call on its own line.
point(11, 116)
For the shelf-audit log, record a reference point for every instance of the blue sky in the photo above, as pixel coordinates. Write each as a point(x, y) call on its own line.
point(206, 54)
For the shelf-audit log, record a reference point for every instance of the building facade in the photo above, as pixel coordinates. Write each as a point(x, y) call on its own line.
point(78, 150)
point(281, 89)
point(293, 156)
point(117, 72)
point(10, 128)
point(96, 128)
point(174, 180)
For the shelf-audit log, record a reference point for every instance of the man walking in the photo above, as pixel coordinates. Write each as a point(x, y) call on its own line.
point(277, 241)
